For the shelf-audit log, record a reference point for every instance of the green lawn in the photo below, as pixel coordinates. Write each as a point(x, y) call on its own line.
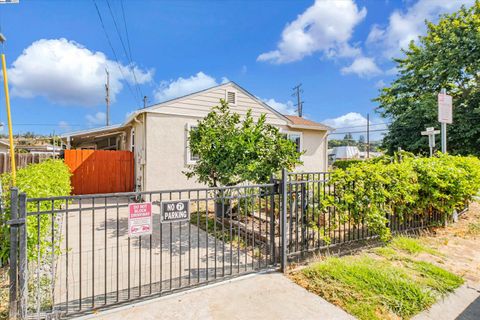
point(383, 283)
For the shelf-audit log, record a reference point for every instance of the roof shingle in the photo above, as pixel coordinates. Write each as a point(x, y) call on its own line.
point(296, 120)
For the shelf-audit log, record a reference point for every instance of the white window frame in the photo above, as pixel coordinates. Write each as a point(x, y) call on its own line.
point(188, 154)
point(132, 140)
point(236, 96)
point(299, 133)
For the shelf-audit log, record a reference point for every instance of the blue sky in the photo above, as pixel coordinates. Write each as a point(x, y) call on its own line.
point(57, 52)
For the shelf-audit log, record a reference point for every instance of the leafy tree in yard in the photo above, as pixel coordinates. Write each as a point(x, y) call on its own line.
point(447, 57)
point(232, 150)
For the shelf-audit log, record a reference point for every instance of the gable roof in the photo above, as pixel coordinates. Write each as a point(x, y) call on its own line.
point(235, 85)
point(292, 121)
point(302, 123)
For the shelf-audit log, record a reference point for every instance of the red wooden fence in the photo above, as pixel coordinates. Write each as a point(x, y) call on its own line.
point(99, 171)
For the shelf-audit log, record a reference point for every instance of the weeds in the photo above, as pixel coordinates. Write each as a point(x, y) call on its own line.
point(411, 245)
point(386, 285)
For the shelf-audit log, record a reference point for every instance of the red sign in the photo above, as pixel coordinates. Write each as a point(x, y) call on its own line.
point(140, 219)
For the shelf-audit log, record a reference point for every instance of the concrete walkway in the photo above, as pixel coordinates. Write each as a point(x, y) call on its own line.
point(463, 304)
point(260, 296)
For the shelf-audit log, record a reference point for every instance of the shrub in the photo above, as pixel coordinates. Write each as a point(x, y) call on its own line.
point(45, 179)
point(371, 191)
point(344, 164)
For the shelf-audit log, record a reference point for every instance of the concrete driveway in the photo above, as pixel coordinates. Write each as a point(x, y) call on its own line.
point(259, 296)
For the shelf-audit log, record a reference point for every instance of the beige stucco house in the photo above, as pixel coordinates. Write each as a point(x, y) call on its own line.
point(157, 135)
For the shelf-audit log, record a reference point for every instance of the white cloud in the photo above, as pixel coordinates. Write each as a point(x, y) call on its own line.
point(351, 119)
point(380, 84)
point(392, 71)
point(364, 67)
point(326, 27)
point(183, 86)
point(67, 73)
point(405, 26)
point(97, 119)
point(284, 108)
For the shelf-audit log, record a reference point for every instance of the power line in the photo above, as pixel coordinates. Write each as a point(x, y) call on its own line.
point(361, 126)
point(346, 132)
point(129, 56)
point(113, 50)
point(126, 30)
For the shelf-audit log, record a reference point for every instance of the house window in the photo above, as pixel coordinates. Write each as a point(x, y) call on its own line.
point(231, 97)
point(192, 158)
point(296, 138)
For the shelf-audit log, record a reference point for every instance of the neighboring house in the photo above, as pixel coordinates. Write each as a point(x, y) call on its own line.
point(344, 153)
point(349, 153)
point(42, 149)
point(158, 135)
point(4, 147)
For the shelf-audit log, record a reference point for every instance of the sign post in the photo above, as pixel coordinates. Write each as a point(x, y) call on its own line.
point(431, 132)
point(444, 115)
point(140, 219)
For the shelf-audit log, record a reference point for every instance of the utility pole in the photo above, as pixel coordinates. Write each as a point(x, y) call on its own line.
point(297, 91)
point(368, 135)
point(145, 100)
point(107, 97)
point(9, 115)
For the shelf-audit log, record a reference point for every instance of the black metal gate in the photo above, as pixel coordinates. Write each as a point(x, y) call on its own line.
point(82, 259)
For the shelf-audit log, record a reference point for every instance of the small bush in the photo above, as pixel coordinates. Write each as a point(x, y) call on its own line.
point(46, 179)
point(344, 164)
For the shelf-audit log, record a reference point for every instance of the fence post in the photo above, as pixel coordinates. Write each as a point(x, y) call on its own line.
point(303, 213)
point(283, 221)
point(22, 268)
point(13, 253)
point(273, 256)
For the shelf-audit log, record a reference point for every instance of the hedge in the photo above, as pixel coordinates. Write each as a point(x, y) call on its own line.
point(344, 164)
point(373, 190)
point(46, 179)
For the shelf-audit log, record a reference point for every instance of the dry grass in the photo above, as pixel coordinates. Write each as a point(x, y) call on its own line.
point(3, 293)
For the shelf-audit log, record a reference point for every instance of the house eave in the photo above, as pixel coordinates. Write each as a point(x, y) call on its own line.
point(315, 128)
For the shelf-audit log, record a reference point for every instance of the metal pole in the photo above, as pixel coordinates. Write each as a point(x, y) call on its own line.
point(22, 268)
point(368, 136)
point(444, 130)
point(9, 118)
point(283, 221)
point(13, 253)
point(107, 97)
point(444, 137)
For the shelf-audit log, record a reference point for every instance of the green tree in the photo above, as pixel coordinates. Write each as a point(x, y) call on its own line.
point(362, 145)
point(447, 57)
point(348, 139)
point(232, 150)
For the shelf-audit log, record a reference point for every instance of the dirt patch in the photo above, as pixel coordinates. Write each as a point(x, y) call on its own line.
point(458, 245)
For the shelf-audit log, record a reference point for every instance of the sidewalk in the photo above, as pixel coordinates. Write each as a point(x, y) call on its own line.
point(463, 304)
point(260, 296)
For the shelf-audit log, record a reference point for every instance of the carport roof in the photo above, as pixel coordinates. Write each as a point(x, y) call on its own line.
point(94, 131)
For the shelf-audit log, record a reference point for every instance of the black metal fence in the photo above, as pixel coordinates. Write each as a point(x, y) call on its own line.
point(79, 256)
point(313, 224)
